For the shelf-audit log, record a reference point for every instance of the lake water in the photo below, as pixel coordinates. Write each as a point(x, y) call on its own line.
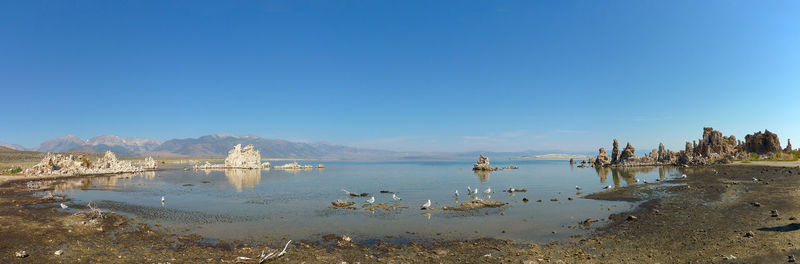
point(273, 204)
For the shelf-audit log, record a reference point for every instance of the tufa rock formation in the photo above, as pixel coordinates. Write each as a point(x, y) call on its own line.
point(602, 158)
point(762, 143)
point(714, 143)
point(238, 158)
point(627, 154)
point(58, 164)
point(788, 145)
point(483, 164)
point(243, 158)
point(293, 166)
point(713, 147)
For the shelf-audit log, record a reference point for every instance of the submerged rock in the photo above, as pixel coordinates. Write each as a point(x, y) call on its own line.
point(342, 203)
point(476, 204)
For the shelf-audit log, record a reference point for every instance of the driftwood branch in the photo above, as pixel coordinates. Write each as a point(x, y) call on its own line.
point(273, 255)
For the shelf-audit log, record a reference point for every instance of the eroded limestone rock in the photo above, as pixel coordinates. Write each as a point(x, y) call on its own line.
point(483, 164)
point(762, 143)
point(602, 158)
point(68, 165)
point(243, 158)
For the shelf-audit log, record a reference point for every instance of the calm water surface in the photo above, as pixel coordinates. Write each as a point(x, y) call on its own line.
point(272, 204)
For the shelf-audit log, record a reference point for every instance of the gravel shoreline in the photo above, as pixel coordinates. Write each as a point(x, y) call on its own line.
point(708, 217)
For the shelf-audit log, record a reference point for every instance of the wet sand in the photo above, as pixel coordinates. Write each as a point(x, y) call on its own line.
point(703, 218)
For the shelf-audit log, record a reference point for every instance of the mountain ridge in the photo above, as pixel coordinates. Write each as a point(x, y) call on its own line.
point(218, 145)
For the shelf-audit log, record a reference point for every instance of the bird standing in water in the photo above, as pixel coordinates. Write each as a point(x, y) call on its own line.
point(426, 205)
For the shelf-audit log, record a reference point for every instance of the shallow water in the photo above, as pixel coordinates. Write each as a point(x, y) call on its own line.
point(272, 204)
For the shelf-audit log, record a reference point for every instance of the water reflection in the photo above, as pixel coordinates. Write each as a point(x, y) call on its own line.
point(243, 177)
point(629, 174)
point(101, 182)
point(483, 176)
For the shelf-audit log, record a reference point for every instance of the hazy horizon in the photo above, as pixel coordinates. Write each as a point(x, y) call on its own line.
point(423, 76)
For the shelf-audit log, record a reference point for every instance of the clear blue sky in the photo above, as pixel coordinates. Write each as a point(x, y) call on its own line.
point(401, 75)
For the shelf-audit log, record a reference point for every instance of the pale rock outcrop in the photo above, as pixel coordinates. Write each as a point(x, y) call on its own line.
point(149, 164)
point(293, 166)
point(483, 164)
point(58, 164)
point(243, 158)
point(238, 158)
point(602, 158)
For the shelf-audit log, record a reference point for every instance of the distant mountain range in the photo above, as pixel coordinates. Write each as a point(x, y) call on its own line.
point(218, 146)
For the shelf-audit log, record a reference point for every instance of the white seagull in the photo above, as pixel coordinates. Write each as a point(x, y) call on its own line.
point(64, 206)
point(394, 197)
point(475, 191)
point(488, 190)
point(371, 199)
point(469, 190)
point(426, 205)
point(456, 194)
point(755, 179)
point(577, 187)
point(637, 181)
point(607, 187)
point(347, 192)
point(162, 199)
point(683, 176)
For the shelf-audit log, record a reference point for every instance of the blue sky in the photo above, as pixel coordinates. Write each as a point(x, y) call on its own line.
point(401, 75)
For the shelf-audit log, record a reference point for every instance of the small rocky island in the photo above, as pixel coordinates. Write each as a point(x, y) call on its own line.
point(238, 158)
point(712, 148)
point(483, 164)
point(249, 158)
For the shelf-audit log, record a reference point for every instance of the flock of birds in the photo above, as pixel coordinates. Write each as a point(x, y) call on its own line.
point(427, 204)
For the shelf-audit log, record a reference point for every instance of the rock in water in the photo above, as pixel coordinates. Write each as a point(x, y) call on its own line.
point(245, 158)
point(342, 203)
point(483, 164)
point(602, 158)
point(149, 164)
point(615, 152)
point(762, 143)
